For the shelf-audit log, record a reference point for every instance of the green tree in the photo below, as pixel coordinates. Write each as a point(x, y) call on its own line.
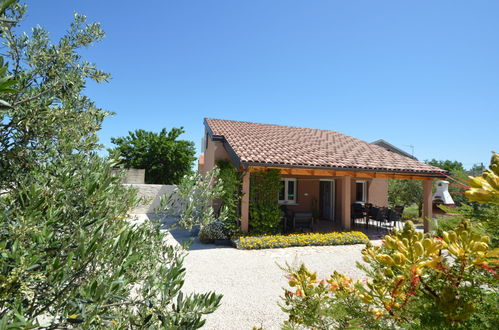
point(406, 193)
point(68, 256)
point(447, 165)
point(165, 158)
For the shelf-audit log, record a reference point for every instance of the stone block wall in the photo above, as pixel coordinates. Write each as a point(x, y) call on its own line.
point(132, 175)
point(151, 193)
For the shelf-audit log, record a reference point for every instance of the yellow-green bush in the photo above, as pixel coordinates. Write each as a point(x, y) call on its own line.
point(308, 239)
point(413, 281)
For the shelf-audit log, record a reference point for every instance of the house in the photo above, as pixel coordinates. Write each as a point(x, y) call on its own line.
point(390, 147)
point(324, 167)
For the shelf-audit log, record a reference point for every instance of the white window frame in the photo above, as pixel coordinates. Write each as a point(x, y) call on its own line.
point(286, 186)
point(364, 191)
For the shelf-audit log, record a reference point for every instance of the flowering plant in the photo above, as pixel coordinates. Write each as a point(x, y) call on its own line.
point(308, 239)
point(414, 282)
point(213, 231)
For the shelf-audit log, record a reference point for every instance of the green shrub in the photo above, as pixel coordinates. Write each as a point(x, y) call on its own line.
point(265, 214)
point(230, 197)
point(308, 239)
point(415, 282)
point(213, 231)
point(69, 258)
point(193, 200)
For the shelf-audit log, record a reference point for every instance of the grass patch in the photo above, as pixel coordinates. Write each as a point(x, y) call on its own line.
point(411, 212)
point(307, 239)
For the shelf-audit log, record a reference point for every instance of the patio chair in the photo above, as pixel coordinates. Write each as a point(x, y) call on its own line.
point(393, 217)
point(303, 220)
point(357, 212)
point(372, 213)
point(381, 216)
point(286, 218)
point(399, 209)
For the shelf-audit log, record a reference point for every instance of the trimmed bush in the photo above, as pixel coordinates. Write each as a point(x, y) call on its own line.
point(308, 239)
point(213, 231)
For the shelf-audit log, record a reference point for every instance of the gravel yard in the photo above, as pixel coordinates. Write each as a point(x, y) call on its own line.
point(252, 281)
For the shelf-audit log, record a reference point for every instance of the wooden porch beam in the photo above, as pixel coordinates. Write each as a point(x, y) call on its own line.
point(245, 203)
point(346, 202)
point(427, 204)
point(329, 173)
point(365, 174)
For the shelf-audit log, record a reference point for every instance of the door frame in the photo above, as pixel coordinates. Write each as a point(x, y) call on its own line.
point(333, 197)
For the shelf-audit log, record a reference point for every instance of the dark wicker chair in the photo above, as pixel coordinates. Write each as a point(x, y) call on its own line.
point(394, 217)
point(372, 213)
point(381, 216)
point(357, 212)
point(303, 220)
point(287, 218)
point(399, 209)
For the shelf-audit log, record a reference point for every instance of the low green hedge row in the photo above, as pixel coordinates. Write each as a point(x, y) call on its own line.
point(308, 239)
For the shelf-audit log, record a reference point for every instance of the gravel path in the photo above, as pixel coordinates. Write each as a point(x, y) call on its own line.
point(252, 282)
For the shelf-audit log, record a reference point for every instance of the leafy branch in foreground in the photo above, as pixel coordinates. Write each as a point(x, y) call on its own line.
point(485, 188)
point(69, 257)
point(414, 282)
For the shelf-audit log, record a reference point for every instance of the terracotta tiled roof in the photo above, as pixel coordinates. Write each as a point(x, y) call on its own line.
point(305, 147)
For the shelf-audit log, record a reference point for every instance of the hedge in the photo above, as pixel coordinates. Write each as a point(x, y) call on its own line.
point(307, 239)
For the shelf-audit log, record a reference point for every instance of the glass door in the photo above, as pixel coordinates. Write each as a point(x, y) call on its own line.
point(326, 199)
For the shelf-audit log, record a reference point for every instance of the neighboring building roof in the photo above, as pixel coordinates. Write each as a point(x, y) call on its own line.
point(275, 145)
point(390, 147)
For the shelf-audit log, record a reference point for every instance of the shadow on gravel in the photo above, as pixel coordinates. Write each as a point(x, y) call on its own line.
point(186, 236)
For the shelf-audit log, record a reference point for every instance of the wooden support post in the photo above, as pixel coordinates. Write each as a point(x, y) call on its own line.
point(427, 204)
point(346, 202)
point(245, 203)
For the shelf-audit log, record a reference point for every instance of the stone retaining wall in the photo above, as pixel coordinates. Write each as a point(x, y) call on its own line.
point(131, 175)
point(151, 194)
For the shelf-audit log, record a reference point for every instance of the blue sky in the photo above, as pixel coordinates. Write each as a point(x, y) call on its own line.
point(421, 73)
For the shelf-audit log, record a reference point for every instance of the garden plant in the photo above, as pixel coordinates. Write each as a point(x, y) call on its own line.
point(306, 239)
point(265, 214)
point(69, 258)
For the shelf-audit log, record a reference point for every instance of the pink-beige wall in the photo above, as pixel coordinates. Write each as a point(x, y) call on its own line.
point(215, 151)
point(378, 192)
point(308, 190)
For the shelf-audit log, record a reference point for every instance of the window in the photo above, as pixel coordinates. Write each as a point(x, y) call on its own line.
point(287, 193)
point(361, 191)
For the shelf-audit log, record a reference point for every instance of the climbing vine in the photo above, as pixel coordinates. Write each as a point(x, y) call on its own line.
point(265, 214)
point(230, 196)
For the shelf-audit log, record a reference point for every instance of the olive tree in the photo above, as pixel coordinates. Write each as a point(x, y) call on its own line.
point(68, 254)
